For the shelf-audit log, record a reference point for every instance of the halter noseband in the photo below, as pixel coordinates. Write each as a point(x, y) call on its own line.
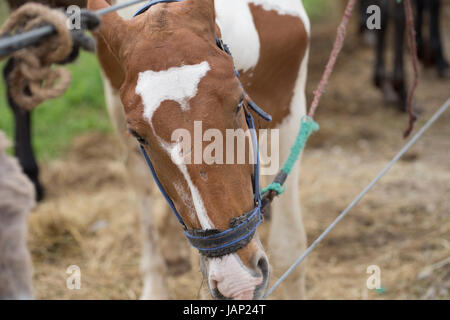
point(213, 242)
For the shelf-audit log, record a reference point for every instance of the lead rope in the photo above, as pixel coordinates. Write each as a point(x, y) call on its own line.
point(342, 215)
point(415, 62)
point(308, 125)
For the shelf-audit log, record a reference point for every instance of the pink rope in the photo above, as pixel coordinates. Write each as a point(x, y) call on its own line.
point(337, 47)
point(338, 43)
point(415, 62)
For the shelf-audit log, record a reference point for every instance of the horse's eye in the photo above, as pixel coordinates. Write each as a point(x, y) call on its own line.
point(241, 103)
point(138, 137)
point(141, 140)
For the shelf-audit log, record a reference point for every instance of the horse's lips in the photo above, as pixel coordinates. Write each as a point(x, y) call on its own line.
point(246, 295)
point(231, 278)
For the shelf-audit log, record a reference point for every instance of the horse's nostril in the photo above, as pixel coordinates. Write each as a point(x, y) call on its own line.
point(263, 266)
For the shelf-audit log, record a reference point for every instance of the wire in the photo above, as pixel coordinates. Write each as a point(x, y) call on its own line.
point(13, 43)
point(419, 134)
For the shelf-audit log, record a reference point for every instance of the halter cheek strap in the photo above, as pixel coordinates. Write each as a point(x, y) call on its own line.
point(160, 186)
point(216, 243)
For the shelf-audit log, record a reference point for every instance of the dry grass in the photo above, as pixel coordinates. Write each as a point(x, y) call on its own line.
point(403, 226)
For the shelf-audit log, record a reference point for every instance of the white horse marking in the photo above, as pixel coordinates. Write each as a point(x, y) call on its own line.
point(239, 32)
point(175, 153)
point(238, 27)
point(185, 198)
point(178, 83)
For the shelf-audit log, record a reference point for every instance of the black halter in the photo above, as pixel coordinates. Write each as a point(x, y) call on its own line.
point(213, 242)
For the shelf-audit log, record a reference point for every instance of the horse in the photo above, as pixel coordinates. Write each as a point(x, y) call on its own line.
point(167, 69)
point(394, 87)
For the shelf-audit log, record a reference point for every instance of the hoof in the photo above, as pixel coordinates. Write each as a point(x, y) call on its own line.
point(389, 93)
point(444, 73)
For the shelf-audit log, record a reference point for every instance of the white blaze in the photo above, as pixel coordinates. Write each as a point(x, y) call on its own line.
point(178, 84)
point(175, 153)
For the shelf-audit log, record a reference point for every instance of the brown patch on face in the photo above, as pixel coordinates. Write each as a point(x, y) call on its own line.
point(271, 83)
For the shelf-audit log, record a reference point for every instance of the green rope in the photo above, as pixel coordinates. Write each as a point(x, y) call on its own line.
point(307, 127)
point(274, 186)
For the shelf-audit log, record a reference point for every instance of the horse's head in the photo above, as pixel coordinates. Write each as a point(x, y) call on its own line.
point(173, 80)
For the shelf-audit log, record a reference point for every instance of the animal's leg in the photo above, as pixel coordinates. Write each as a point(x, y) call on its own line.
point(362, 16)
point(287, 237)
point(399, 69)
point(174, 246)
point(16, 201)
point(380, 72)
point(203, 289)
point(152, 263)
point(436, 40)
point(22, 145)
point(369, 36)
point(418, 26)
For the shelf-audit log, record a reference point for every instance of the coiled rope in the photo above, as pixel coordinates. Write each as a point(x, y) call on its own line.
point(33, 79)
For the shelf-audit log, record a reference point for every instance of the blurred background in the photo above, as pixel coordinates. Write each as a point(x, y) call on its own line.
point(89, 216)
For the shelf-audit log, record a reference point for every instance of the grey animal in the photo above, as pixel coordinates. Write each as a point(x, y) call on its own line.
point(16, 202)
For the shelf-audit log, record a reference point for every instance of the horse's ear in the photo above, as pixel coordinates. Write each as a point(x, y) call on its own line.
point(204, 12)
point(113, 29)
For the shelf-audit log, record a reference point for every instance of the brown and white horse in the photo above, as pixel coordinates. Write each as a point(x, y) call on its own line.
point(163, 71)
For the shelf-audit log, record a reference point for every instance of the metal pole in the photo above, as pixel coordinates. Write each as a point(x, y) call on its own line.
point(16, 42)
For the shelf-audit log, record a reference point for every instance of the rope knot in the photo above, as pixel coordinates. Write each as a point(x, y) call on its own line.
point(274, 186)
point(33, 80)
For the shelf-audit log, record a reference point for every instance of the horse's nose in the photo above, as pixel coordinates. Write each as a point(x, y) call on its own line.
point(229, 278)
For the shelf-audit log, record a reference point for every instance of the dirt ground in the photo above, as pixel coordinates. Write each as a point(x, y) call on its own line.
point(403, 225)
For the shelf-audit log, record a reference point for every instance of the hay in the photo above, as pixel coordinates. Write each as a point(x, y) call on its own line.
point(402, 226)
